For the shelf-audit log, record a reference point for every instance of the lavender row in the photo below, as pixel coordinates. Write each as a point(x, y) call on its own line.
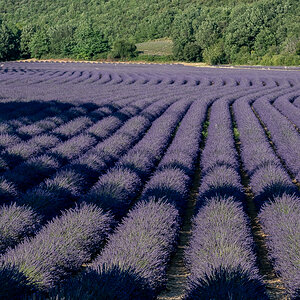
point(53, 115)
point(156, 212)
point(22, 150)
point(281, 224)
point(172, 178)
point(116, 189)
point(88, 75)
point(57, 251)
point(219, 163)
point(283, 133)
point(274, 189)
point(284, 105)
point(132, 264)
point(220, 255)
point(220, 229)
point(70, 182)
point(267, 176)
point(24, 175)
point(171, 184)
point(112, 267)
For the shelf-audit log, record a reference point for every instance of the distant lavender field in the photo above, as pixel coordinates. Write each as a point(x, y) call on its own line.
point(148, 182)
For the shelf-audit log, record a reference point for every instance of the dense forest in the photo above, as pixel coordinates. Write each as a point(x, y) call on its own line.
point(213, 31)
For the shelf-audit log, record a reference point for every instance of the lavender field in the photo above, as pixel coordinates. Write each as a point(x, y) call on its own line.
point(148, 182)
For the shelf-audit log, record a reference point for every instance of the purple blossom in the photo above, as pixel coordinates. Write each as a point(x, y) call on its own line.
point(134, 261)
point(169, 184)
point(115, 191)
point(16, 223)
point(55, 194)
point(8, 191)
point(220, 255)
point(281, 224)
point(60, 248)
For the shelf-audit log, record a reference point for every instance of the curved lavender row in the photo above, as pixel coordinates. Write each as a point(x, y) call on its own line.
point(78, 91)
point(100, 157)
point(163, 175)
point(284, 105)
point(172, 178)
point(99, 113)
point(221, 272)
point(104, 77)
point(164, 179)
point(104, 128)
point(24, 149)
point(60, 191)
point(34, 123)
point(63, 153)
point(270, 184)
point(10, 110)
point(57, 251)
point(113, 176)
point(133, 263)
point(67, 184)
point(220, 255)
point(173, 175)
point(281, 224)
point(76, 126)
point(116, 195)
point(219, 163)
point(16, 223)
point(267, 177)
point(285, 136)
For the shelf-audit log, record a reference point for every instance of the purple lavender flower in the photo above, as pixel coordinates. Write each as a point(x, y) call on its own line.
point(16, 223)
point(60, 248)
point(220, 255)
point(281, 224)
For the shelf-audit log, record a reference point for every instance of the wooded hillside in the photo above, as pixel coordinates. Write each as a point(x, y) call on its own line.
point(227, 31)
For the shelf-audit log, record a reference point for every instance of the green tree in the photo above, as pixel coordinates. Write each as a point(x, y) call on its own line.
point(9, 43)
point(39, 44)
point(192, 52)
point(89, 41)
point(61, 39)
point(123, 49)
point(183, 30)
point(215, 54)
point(27, 34)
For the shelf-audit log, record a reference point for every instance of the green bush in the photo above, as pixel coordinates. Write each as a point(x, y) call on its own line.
point(280, 60)
point(192, 52)
point(39, 44)
point(88, 42)
point(215, 54)
point(123, 49)
point(9, 43)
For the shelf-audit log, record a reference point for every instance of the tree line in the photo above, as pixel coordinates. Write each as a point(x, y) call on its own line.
point(236, 32)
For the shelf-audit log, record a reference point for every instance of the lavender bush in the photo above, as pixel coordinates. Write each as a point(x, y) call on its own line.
point(16, 223)
point(55, 194)
point(220, 255)
point(280, 221)
point(133, 263)
point(60, 248)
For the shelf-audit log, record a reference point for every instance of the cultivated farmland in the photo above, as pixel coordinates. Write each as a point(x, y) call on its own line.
point(148, 182)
